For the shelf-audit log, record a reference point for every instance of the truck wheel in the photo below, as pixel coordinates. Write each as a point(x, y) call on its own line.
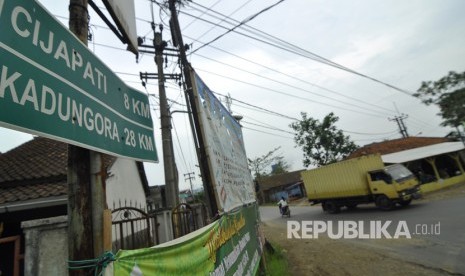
point(404, 203)
point(384, 203)
point(331, 207)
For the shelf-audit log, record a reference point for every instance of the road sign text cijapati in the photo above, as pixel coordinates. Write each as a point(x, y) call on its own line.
point(24, 25)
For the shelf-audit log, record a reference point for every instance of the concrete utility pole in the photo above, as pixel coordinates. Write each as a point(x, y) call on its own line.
point(86, 195)
point(199, 140)
point(171, 188)
point(400, 123)
point(190, 176)
point(228, 102)
point(459, 133)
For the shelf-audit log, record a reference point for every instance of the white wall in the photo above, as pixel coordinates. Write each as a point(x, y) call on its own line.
point(124, 183)
point(46, 246)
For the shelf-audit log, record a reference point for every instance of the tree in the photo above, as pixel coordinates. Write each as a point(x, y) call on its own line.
point(322, 143)
point(280, 166)
point(260, 164)
point(449, 94)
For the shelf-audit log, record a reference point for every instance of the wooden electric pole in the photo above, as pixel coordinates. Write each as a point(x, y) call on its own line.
point(86, 196)
point(199, 140)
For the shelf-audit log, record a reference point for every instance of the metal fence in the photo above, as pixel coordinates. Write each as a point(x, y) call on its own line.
point(133, 227)
point(187, 218)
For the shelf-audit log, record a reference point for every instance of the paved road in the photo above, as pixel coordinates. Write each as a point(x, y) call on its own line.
point(441, 247)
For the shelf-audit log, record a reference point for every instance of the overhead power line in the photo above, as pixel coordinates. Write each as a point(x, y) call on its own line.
point(265, 125)
point(190, 23)
point(286, 46)
point(250, 18)
point(364, 133)
point(290, 95)
point(272, 128)
point(423, 123)
point(260, 108)
point(267, 111)
point(295, 78)
point(232, 13)
point(260, 76)
point(265, 132)
point(224, 19)
point(295, 87)
point(124, 50)
point(179, 144)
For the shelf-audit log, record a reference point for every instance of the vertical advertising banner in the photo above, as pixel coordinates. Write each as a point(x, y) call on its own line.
point(231, 177)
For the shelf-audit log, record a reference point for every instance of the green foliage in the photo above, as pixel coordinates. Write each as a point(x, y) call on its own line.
point(322, 142)
point(276, 262)
point(449, 94)
point(259, 165)
point(200, 197)
point(280, 166)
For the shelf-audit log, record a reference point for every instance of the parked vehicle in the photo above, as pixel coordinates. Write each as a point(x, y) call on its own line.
point(360, 180)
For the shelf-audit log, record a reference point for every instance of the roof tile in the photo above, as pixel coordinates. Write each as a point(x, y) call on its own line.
point(32, 191)
point(36, 169)
point(38, 158)
point(269, 182)
point(397, 145)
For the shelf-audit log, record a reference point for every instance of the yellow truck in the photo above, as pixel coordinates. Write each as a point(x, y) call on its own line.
point(360, 180)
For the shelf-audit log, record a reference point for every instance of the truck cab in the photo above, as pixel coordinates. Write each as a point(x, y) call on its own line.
point(393, 184)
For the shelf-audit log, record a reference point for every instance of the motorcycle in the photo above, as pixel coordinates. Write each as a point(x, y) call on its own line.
point(285, 211)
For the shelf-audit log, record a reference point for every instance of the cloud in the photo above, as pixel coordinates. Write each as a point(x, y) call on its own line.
point(363, 50)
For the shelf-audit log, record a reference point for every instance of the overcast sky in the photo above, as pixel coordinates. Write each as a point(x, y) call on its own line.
point(401, 43)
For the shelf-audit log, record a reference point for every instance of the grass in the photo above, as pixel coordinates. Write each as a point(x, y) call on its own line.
point(276, 262)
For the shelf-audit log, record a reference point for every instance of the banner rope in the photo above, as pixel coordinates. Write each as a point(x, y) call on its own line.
point(99, 264)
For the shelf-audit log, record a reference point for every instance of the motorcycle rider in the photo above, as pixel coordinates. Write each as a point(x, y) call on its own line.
point(282, 205)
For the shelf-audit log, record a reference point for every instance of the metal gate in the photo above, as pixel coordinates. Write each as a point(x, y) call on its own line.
point(186, 218)
point(131, 228)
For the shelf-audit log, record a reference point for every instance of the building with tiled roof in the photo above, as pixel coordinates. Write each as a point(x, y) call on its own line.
point(436, 161)
point(35, 170)
point(33, 185)
point(288, 185)
point(396, 145)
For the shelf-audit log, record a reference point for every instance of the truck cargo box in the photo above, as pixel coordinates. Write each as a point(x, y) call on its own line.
point(342, 179)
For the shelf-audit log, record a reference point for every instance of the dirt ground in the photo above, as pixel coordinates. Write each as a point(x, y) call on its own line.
point(324, 256)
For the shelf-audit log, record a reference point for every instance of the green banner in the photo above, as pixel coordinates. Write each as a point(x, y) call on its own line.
point(52, 85)
point(229, 246)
